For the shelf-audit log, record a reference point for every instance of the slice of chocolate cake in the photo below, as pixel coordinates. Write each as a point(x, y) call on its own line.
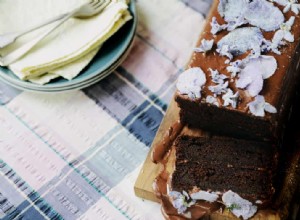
point(243, 74)
point(220, 164)
point(220, 172)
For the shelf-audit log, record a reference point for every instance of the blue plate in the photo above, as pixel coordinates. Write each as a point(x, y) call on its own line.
point(77, 86)
point(109, 53)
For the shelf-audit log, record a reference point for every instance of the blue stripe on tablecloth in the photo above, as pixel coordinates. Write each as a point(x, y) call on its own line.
point(9, 198)
point(70, 181)
point(110, 163)
point(30, 195)
point(70, 166)
point(144, 124)
point(70, 194)
point(171, 81)
point(32, 213)
point(109, 94)
point(141, 87)
point(167, 96)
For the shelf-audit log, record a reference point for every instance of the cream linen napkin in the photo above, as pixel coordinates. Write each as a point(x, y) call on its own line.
point(68, 71)
point(67, 49)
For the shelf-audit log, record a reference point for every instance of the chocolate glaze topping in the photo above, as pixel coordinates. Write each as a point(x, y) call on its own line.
point(272, 86)
point(163, 147)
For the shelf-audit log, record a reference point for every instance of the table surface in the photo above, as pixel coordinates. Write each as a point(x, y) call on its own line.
point(76, 155)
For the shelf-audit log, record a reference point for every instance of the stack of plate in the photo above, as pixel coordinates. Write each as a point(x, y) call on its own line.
point(109, 57)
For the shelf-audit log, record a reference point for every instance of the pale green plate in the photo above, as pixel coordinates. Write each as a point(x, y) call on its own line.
point(108, 55)
point(77, 86)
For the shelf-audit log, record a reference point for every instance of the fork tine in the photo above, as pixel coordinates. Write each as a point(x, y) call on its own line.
point(101, 4)
point(98, 3)
point(94, 2)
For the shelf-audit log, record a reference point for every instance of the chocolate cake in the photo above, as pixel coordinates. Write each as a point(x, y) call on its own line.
point(221, 164)
point(241, 82)
point(206, 175)
point(243, 74)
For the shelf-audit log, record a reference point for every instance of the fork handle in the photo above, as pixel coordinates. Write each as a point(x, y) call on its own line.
point(18, 53)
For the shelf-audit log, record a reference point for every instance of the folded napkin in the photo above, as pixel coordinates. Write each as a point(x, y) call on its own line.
point(67, 50)
point(68, 71)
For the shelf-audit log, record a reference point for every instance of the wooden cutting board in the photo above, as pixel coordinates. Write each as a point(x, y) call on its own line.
point(150, 170)
point(143, 185)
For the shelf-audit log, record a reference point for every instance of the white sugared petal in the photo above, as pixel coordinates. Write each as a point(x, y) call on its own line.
point(270, 108)
point(232, 9)
point(264, 15)
point(205, 46)
point(190, 82)
point(241, 40)
point(212, 100)
point(259, 106)
point(203, 195)
point(250, 80)
point(253, 73)
point(240, 207)
point(230, 99)
point(219, 88)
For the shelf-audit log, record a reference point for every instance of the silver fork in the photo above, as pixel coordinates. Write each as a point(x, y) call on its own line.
point(87, 10)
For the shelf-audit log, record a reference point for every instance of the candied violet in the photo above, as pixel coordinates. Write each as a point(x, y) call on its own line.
point(224, 51)
point(179, 201)
point(254, 71)
point(206, 196)
point(216, 27)
point(212, 100)
point(230, 98)
point(268, 65)
point(236, 23)
point(273, 45)
point(264, 65)
point(241, 40)
point(216, 76)
point(232, 9)
point(259, 13)
point(264, 15)
point(289, 5)
point(235, 67)
point(190, 82)
point(219, 88)
point(205, 46)
point(259, 106)
point(278, 39)
point(250, 80)
point(238, 206)
point(285, 30)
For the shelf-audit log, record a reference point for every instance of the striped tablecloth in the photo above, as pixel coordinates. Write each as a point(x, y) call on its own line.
point(76, 155)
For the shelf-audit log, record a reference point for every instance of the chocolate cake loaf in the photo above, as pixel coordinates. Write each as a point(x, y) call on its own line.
point(219, 173)
point(243, 74)
point(241, 82)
